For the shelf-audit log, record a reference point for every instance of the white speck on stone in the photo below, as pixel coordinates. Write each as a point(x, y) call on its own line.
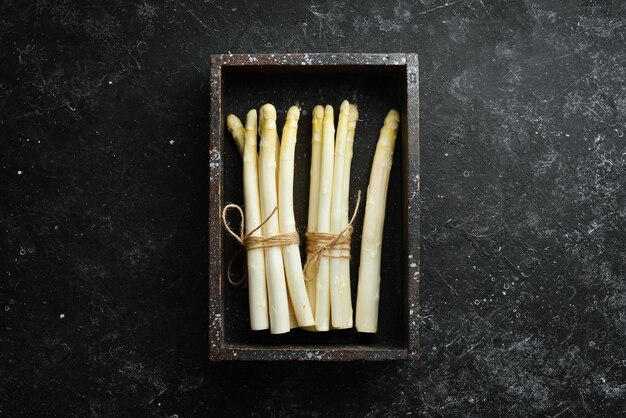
point(110, 82)
point(62, 316)
point(171, 142)
point(19, 172)
point(413, 265)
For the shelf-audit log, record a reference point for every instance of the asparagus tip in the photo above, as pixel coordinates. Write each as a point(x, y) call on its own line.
point(233, 122)
point(354, 113)
point(393, 118)
point(318, 112)
point(345, 107)
point(251, 119)
point(328, 111)
point(269, 111)
point(293, 113)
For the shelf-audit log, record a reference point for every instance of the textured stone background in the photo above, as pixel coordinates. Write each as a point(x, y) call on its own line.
point(104, 126)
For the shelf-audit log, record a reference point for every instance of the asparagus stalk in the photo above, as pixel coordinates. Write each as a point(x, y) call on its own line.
point(339, 317)
point(257, 287)
point(322, 297)
point(368, 292)
point(314, 186)
point(293, 320)
point(346, 295)
point(291, 252)
point(233, 123)
point(277, 288)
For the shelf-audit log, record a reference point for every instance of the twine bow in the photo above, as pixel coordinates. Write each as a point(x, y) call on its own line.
point(250, 242)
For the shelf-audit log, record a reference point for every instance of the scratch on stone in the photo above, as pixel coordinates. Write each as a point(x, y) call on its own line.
point(450, 3)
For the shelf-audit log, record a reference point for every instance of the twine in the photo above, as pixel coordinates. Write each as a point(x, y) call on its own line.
point(319, 244)
point(249, 242)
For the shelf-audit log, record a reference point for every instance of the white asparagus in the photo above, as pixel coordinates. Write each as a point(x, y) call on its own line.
point(368, 293)
point(277, 153)
point(322, 297)
point(291, 252)
point(346, 295)
point(293, 321)
point(257, 287)
point(235, 127)
point(339, 318)
point(277, 288)
point(314, 187)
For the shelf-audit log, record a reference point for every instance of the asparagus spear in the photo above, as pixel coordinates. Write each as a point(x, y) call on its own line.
point(291, 252)
point(346, 295)
point(340, 318)
point(233, 123)
point(314, 186)
point(257, 287)
point(368, 292)
point(322, 297)
point(277, 289)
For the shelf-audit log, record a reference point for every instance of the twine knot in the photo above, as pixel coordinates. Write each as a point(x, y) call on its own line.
point(320, 244)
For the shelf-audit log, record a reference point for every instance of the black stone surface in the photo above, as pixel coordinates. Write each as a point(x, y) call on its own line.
point(104, 125)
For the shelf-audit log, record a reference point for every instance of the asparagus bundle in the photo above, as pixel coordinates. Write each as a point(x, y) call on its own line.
point(322, 297)
point(368, 292)
point(274, 267)
point(257, 290)
point(277, 289)
point(291, 252)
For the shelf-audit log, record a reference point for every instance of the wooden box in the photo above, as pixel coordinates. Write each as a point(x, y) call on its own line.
point(375, 83)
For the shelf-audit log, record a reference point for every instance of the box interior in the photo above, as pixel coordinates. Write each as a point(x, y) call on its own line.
point(375, 90)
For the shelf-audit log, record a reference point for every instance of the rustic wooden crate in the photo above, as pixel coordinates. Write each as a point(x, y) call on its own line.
point(375, 83)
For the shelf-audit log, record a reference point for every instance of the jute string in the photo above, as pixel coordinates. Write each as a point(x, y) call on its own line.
point(320, 244)
point(250, 242)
